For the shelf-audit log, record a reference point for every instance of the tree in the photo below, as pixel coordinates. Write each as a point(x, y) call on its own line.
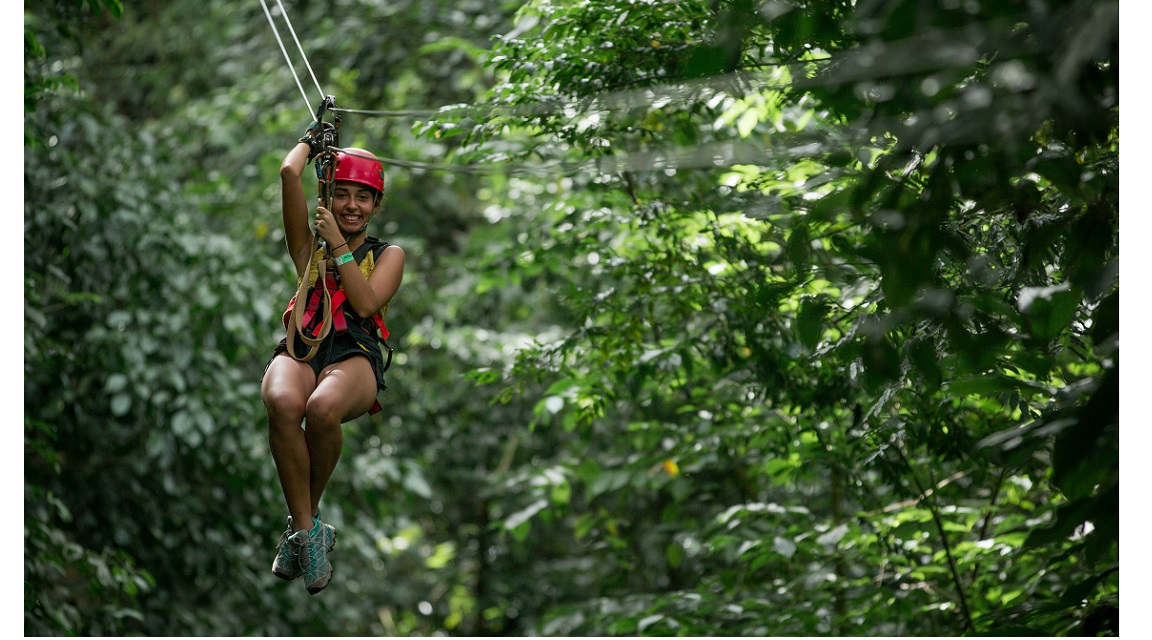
point(887, 284)
point(721, 318)
point(148, 481)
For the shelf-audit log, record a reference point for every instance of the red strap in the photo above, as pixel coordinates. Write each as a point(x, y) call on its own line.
point(379, 320)
point(288, 311)
point(338, 321)
point(310, 311)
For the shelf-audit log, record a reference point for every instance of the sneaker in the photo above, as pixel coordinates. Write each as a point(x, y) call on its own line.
point(286, 566)
point(312, 548)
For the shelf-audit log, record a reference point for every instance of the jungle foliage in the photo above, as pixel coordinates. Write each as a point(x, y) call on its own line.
point(721, 317)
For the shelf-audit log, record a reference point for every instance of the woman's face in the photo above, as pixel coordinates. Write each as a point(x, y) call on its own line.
point(353, 205)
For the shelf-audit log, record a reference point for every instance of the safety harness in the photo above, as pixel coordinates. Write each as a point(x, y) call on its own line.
point(319, 286)
point(332, 308)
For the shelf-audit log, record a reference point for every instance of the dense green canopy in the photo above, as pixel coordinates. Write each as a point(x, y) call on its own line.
point(726, 317)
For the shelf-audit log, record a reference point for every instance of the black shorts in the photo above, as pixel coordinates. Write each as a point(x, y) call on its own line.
point(337, 346)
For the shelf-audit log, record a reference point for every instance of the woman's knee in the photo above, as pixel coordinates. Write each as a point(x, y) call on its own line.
point(285, 390)
point(324, 410)
point(285, 406)
point(345, 390)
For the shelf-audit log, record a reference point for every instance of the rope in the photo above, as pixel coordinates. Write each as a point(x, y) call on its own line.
point(785, 149)
point(299, 47)
point(620, 100)
point(854, 66)
point(287, 58)
point(612, 161)
point(615, 101)
point(391, 114)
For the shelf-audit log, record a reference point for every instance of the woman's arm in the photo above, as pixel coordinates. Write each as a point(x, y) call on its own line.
point(367, 295)
point(294, 208)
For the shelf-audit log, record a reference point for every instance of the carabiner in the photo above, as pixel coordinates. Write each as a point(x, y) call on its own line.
point(329, 141)
point(328, 102)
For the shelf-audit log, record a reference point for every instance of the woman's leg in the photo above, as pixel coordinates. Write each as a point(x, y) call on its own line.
point(345, 390)
point(287, 385)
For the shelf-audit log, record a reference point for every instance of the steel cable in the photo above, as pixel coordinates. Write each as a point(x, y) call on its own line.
point(287, 58)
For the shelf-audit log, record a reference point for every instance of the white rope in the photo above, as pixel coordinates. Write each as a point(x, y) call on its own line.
point(287, 58)
point(719, 154)
point(300, 48)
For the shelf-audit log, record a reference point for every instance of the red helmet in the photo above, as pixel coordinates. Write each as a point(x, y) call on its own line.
point(358, 165)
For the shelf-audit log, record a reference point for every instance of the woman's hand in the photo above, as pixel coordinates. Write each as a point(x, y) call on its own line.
point(327, 228)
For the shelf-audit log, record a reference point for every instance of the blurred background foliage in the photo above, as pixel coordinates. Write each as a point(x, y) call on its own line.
point(720, 317)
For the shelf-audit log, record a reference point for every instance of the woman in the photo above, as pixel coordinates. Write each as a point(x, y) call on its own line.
point(341, 379)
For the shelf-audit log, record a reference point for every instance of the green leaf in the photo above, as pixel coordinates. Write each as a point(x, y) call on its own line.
point(833, 536)
point(705, 60)
point(121, 404)
point(561, 493)
point(521, 531)
point(414, 481)
point(522, 516)
point(560, 386)
point(784, 546)
point(608, 481)
point(1106, 319)
point(1084, 454)
point(648, 621)
point(881, 362)
point(1076, 594)
point(810, 321)
point(990, 385)
point(115, 383)
point(1069, 516)
point(1011, 631)
point(1049, 310)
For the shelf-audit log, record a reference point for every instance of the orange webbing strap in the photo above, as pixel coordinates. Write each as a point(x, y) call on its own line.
point(296, 322)
point(325, 170)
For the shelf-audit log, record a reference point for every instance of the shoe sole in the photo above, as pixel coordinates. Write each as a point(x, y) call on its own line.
point(284, 576)
point(313, 591)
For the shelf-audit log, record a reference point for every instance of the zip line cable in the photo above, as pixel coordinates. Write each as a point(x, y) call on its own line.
point(856, 66)
point(287, 58)
point(710, 156)
point(712, 90)
point(612, 102)
point(714, 155)
point(299, 47)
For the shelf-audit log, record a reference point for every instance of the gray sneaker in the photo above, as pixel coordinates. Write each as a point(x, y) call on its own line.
point(312, 548)
point(286, 566)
